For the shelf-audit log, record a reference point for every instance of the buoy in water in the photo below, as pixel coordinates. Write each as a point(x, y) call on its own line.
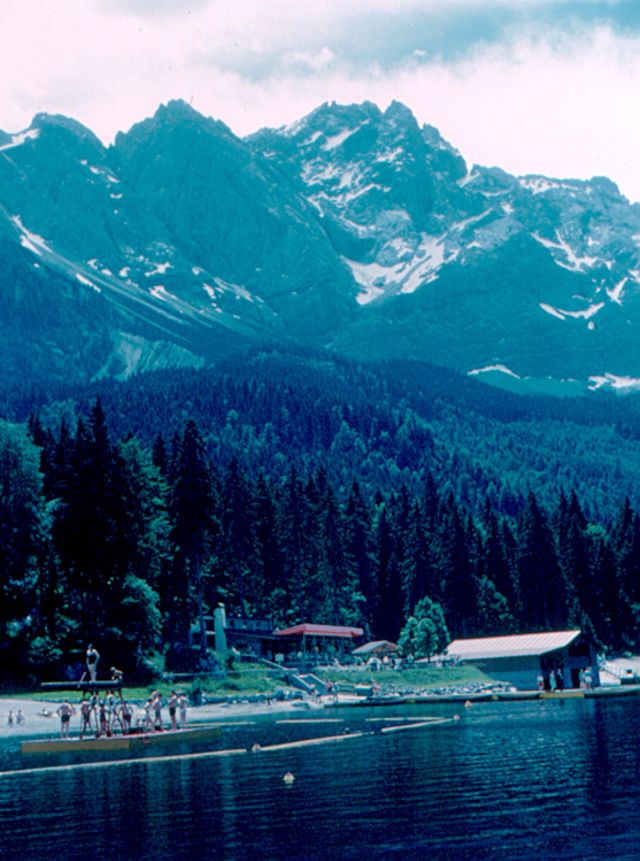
point(255, 748)
point(288, 778)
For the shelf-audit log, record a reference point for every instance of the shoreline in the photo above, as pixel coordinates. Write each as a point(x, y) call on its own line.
point(40, 717)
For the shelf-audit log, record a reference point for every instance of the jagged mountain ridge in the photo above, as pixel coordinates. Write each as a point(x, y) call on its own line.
point(354, 228)
point(525, 276)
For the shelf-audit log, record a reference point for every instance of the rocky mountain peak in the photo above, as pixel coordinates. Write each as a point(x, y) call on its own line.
point(353, 227)
point(64, 128)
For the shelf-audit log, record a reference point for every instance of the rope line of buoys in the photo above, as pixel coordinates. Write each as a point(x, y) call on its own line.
point(211, 754)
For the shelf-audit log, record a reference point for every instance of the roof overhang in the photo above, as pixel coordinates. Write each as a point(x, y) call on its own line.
point(311, 630)
point(512, 646)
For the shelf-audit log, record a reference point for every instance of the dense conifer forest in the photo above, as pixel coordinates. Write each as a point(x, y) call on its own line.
point(301, 488)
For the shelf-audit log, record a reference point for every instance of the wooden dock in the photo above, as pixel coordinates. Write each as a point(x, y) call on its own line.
point(132, 742)
point(88, 686)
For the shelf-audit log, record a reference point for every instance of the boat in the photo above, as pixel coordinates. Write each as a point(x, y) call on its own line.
point(614, 691)
point(133, 743)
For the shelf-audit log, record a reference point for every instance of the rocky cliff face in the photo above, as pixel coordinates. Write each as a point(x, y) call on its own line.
point(477, 269)
point(353, 228)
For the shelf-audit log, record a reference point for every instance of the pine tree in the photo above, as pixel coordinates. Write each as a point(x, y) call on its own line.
point(542, 587)
point(193, 514)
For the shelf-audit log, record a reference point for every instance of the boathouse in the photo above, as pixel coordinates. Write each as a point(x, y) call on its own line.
point(528, 660)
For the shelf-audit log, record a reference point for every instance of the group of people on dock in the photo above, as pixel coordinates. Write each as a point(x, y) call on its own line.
point(176, 704)
point(107, 715)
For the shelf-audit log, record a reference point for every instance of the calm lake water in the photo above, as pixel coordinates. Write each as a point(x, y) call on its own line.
point(544, 780)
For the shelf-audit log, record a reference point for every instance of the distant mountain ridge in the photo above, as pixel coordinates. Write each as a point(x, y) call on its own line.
point(353, 229)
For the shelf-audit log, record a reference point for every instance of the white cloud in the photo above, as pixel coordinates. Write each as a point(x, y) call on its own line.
point(545, 101)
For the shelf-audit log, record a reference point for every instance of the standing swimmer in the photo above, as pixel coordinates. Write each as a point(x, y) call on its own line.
point(85, 714)
point(102, 719)
point(157, 710)
point(92, 658)
point(173, 705)
point(65, 711)
point(182, 705)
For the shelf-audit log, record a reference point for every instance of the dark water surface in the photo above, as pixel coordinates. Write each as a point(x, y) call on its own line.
point(521, 780)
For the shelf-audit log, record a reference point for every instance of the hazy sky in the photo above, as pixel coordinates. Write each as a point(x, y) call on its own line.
point(533, 86)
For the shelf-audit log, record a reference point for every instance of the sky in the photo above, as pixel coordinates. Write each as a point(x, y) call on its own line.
point(532, 86)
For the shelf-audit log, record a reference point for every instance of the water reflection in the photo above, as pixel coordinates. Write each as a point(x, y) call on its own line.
point(553, 780)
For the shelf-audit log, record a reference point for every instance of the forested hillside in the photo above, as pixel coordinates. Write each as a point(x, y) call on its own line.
point(384, 424)
point(303, 489)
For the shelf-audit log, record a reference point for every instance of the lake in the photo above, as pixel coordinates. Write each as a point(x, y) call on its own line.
point(516, 780)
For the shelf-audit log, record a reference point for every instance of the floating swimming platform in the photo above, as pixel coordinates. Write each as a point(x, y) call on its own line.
point(133, 742)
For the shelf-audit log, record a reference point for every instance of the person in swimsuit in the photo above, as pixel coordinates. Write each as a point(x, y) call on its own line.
point(92, 658)
point(102, 719)
point(182, 705)
point(172, 704)
point(65, 711)
point(125, 716)
point(157, 710)
point(85, 713)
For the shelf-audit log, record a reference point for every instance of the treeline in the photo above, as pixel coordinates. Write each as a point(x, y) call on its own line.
point(131, 546)
point(390, 425)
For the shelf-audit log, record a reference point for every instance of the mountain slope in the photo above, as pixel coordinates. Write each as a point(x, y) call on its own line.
point(236, 219)
point(354, 229)
point(475, 268)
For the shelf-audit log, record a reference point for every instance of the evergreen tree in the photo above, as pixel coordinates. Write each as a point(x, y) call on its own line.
point(542, 588)
point(425, 632)
point(193, 514)
point(23, 556)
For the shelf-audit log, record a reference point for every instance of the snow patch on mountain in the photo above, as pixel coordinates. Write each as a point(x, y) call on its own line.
point(238, 290)
point(30, 240)
point(161, 292)
point(615, 382)
point(158, 269)
point(211, 292)
point(459, 226)
point(549, 309)
point(338, 139)
point(573, 262)
point(502, 369)
point(104, 173)
point(468, 178)
point(562, 314)
point(539, 184)
point(417, 266)
point(87, 282)
point(615, 294)
point(20, 138)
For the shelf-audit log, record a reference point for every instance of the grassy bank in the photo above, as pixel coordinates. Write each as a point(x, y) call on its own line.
point(420, 679)
point(253, 679)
